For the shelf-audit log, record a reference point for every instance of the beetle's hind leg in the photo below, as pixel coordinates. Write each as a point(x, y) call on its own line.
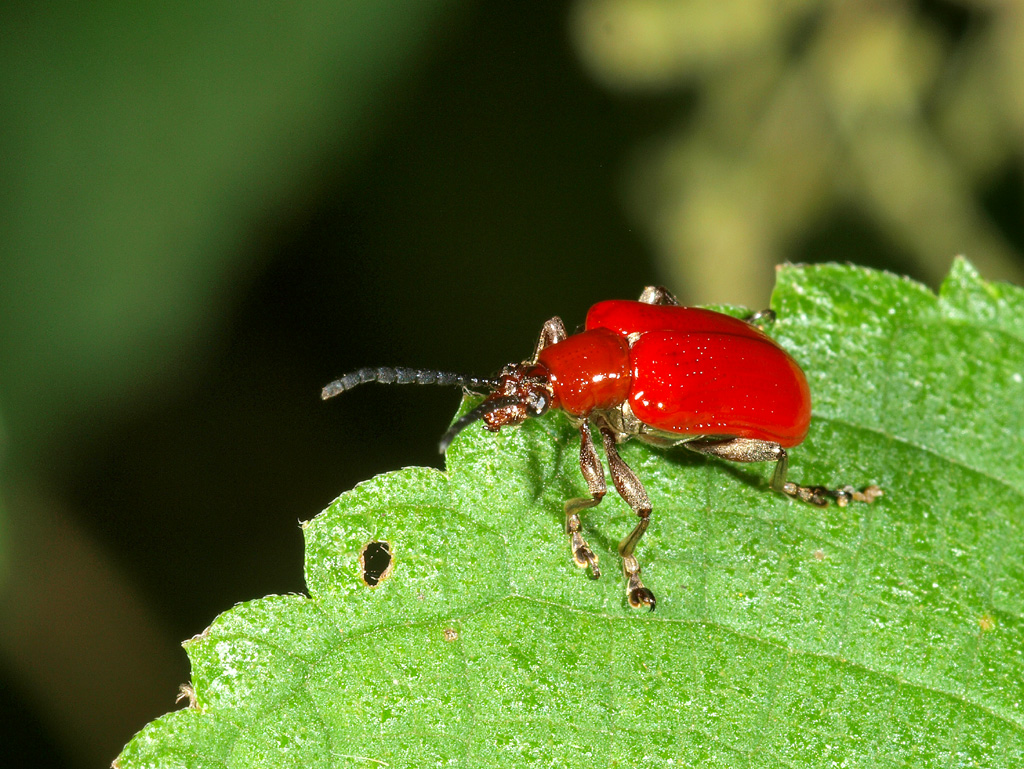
point(762, 319)
point(593, 474)
point(658, 295)
point(750, 450)
point(818, 495)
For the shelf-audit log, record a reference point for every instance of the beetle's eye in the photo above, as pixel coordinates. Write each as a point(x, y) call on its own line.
point(537, 402)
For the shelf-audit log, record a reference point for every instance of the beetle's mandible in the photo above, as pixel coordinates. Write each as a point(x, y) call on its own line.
point(652, 370)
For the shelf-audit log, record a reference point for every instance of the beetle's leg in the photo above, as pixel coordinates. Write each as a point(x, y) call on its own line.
point(593, 474)
point(631, 490)
point(658, 295)
point(750, 450)
point(552, 332)
point(761, 318)
point(818, 495)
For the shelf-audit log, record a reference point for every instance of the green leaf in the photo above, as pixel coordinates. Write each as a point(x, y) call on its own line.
point(873, 635)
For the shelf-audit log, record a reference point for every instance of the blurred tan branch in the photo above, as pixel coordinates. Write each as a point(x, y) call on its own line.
point(806, 107)
point(79, 640)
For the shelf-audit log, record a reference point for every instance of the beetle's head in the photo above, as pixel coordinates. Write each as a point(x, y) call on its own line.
point(523, 390)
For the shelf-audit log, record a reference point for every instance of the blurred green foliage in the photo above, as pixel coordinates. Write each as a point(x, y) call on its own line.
point(142, 145)
point(899, 114)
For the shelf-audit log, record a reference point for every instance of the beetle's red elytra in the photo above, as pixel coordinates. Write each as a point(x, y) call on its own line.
point(652, 370)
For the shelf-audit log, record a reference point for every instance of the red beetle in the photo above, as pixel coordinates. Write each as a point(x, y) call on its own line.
point(652, 370)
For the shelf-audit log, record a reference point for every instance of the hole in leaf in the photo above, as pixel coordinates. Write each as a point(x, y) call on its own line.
point(375, 563)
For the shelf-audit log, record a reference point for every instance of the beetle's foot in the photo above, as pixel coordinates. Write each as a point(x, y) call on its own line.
point(820, 495)
point(815, 495)
point(582, 555)
point(637, 594)
point(641, 596)
point(847, 493)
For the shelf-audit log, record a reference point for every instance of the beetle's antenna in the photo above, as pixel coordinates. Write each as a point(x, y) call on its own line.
point(398, 375)
point(470, 417)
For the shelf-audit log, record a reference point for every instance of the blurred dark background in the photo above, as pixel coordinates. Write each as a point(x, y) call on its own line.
point(211, 210)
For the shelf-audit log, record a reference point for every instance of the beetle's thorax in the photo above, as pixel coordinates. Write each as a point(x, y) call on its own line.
point(588, 372)
point(582, 374)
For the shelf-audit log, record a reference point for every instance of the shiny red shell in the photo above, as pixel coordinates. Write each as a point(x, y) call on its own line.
point(685, 371)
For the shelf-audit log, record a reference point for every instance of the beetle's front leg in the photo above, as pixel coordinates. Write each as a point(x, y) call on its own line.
point(632, 491)
point(552, 332)
point(593, 474)
point(750, 450)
